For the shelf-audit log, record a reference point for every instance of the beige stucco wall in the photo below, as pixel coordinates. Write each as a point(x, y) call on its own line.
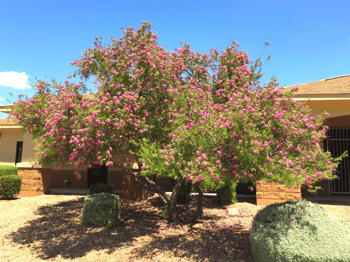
point(335, 108)
point(8, 142)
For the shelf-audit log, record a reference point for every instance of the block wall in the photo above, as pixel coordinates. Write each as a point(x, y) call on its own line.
point(164, 183)
point(132, 190)
point(270, 193)
point(35, 182)
point(59, 175)
point(113, 178)
point(38, 181)
point(267, 194)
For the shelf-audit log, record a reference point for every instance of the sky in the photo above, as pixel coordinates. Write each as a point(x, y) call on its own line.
point(309, 39)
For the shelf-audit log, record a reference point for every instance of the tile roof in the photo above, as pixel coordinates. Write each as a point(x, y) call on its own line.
point(7, 121)
point(331, 86)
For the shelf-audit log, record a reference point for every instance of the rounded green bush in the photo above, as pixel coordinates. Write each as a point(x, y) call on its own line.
point(10, 186)
point(299, 231)
point(101, 188)
point(102, 209)
point(226, 194)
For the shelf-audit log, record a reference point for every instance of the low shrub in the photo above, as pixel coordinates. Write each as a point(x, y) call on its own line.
point(8, 170)
point(102, 210)
point(226, 194)
point(10, 186)
point(299, 231)
point(100, 187)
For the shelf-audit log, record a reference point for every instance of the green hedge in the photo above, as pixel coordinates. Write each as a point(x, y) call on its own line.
point(10, 182)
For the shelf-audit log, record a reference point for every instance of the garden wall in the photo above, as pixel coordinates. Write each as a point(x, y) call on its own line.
point(113, 178)
point(132, 190)
point(270, 193)
point(35, 182)
point(38, 181)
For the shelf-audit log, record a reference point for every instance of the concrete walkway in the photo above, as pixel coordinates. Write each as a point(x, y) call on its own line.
point(336, 199)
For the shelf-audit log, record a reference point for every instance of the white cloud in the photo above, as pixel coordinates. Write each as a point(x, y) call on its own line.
point(2, 100)
point(14, 79)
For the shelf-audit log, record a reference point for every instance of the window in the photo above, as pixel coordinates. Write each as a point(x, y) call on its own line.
point(19, 152)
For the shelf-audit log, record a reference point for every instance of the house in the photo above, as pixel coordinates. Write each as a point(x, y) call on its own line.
point(332, 95)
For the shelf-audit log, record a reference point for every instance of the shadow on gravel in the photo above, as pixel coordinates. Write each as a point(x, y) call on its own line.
point(58, 232)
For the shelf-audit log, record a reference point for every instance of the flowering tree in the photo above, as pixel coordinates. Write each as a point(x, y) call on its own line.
point(167, 113)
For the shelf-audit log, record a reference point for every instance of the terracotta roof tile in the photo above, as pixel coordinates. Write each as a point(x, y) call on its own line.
point(7, 121)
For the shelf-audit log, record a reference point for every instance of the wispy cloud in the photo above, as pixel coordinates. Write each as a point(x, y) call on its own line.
point(14, 79)
point(2, 101)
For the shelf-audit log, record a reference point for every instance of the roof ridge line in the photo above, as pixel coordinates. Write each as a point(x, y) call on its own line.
point(316, 81)
point(336, 77)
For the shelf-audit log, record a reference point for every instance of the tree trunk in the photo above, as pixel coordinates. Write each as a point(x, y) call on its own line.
point(199, 211)
point(171, 207)
point(146, 183)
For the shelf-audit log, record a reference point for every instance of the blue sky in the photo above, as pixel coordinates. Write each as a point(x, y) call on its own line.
point(309, 40)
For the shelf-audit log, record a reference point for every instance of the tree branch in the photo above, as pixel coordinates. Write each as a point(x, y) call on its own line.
point(199, 211)
point(151, 186)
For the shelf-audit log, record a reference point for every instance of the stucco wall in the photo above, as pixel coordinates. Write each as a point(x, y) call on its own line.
point(8, 143)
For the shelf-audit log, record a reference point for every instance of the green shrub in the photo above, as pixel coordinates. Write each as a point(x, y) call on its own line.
point(299, 231)
point(226, 194)
point(10, 186)
point(183, 195)
point(101, 188)
point(166, 213)
point(102, 210)
point(8, 170)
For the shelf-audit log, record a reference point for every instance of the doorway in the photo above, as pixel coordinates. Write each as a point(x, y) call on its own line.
point(19, 148)
point(97, 174)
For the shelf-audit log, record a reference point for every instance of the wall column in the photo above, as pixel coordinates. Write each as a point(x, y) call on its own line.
point(35, 181)
point(271, 193)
